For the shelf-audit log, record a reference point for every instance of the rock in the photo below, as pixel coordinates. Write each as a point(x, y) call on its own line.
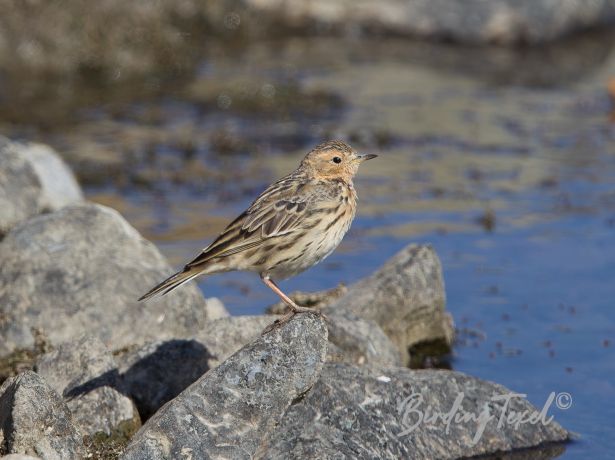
point(406, 298)
point(216, 309)
point(59, 186)
point(375, 412)
point(157, 372)
point(35, 421)
point(33, 180)
point(471, 21)
point(231, 409)
point(81, 270)
point(18, 457)
point(84, 372)
point(359, 341)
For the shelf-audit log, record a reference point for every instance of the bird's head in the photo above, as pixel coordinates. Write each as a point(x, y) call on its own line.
point(333, 160)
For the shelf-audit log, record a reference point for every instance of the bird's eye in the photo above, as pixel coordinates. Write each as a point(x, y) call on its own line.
point(337, 160)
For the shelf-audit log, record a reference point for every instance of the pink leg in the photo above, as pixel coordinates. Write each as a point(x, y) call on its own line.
point(288, 301)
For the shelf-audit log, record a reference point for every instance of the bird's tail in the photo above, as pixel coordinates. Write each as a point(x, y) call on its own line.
point(172, 282)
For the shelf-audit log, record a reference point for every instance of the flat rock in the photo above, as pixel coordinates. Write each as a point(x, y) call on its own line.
point(406, 298)
point(380, 412)
point(84, 372)
point(232, 408)
point(471, 21)
point(81, 270)
point(158, 371)
point(33, 180)
point(34, 420)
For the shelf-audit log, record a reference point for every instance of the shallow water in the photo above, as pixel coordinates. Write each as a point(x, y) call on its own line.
point(503, 161)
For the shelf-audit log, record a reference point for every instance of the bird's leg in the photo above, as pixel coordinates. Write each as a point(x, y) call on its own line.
point(294, 308)
point(287, 300)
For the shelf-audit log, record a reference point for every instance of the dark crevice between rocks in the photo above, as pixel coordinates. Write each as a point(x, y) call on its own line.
point(431, 354)
point(299, 398)
point(109, 447)
point(23, 359)
point(543, 451)
point(6, 400)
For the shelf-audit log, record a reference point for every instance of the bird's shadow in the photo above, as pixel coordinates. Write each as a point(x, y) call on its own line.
point(155, 377)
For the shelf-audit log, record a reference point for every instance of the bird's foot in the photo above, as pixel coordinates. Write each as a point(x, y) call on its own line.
point(296, 309)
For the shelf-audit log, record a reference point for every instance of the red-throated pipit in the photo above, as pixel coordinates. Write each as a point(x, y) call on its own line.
point(294, 224)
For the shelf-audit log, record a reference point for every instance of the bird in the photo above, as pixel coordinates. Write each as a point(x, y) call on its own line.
point(294, 224)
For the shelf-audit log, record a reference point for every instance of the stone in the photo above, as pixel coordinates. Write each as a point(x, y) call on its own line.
point(359, 341)
point(406, 298)
point(231, 409)
point(80, 270)
point(380, 412)
point(18, 457)
point(34, 420)
point(158, 371)
point(216, 309)
point(84, 372)
point(33, 180)
point(504, 22)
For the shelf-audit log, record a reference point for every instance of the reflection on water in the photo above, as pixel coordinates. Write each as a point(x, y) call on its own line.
point(503, 160)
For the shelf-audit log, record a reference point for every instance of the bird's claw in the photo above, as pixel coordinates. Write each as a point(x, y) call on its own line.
point(290, 315)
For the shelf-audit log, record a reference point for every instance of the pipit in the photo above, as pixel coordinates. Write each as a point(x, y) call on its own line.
point(294, 224)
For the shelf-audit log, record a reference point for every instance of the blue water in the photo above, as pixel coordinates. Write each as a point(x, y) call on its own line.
point(543, 298)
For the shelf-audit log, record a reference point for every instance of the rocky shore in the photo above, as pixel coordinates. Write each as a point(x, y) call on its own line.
point(86, 371)
point(123, 39)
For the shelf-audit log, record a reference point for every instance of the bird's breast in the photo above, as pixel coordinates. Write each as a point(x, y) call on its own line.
point(322, 233)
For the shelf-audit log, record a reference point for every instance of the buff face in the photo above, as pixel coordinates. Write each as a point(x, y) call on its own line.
point(342, 163)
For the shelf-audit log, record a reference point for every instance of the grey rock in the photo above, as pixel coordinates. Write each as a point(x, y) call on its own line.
point(230, 410)
point(81, 270)
point(34, 420)
point(406, 298)
point(472, 21)
point(157, 372)
point(216, 309)
point(33, 180)
point(18, 457)
point(59, 186)
point(84, 373)
point(224, 337)
point(359, 341)
point(374, 412)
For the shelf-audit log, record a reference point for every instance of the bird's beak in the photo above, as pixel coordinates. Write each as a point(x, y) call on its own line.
point(366, 157)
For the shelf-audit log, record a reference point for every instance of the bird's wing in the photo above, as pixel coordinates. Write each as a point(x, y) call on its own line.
point(279, 210)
